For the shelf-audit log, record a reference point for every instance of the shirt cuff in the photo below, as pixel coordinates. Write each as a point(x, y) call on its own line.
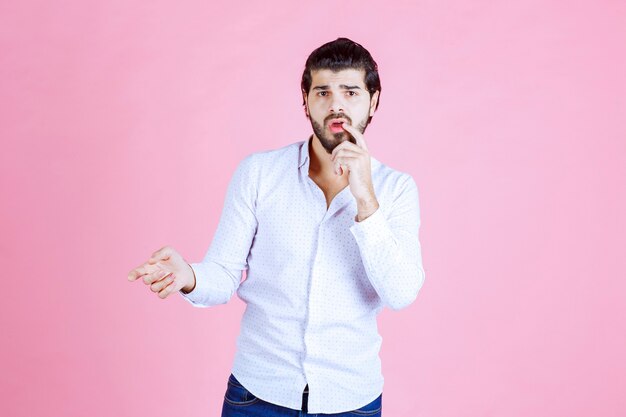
point(199, 292)
point(372, 229)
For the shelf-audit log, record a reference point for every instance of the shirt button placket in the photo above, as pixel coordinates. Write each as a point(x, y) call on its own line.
point(313, 313)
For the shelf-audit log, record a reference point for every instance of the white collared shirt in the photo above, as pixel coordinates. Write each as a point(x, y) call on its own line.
point(316, 278)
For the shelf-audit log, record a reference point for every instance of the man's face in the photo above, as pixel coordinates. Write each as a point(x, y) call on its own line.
point(335, 97)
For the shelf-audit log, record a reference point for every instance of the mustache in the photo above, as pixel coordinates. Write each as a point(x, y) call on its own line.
point(337, 116)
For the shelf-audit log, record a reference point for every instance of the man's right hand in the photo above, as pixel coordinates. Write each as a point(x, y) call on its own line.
point(165, 272)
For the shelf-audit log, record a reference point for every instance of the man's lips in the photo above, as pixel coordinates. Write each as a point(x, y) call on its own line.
point(335, 125)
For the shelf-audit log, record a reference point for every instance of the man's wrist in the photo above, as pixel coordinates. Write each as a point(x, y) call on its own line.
point(186, 289)
point(366, 208)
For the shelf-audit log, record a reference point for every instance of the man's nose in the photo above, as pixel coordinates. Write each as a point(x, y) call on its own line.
point(337, 104)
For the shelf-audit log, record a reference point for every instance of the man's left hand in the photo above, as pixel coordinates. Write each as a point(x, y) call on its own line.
point(356, 159)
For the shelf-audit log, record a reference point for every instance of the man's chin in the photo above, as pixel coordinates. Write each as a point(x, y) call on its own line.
point(331, 140)
point(343, 137)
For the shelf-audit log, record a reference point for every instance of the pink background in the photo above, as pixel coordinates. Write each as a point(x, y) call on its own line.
point(122, 122)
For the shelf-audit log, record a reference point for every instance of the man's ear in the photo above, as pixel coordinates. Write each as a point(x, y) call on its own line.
point(306, 103)
point(373, 102)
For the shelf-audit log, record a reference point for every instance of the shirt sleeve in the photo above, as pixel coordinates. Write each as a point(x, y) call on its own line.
point(219, 274)
point(390, 248)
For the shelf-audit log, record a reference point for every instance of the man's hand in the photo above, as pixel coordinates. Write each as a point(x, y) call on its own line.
point(356, 159)
point(165, 272)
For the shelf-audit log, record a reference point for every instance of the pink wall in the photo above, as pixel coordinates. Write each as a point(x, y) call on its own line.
point(121, 123)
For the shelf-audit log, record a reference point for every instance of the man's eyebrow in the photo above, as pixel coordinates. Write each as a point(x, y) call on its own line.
point(343, 86)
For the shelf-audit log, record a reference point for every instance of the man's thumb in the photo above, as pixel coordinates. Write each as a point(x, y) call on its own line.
point(162, 254)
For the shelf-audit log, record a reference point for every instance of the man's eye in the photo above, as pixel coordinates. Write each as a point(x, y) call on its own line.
point(352, 93)
point(322, 93)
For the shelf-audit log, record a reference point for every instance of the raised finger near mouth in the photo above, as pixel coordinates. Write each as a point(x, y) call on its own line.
point(358, 137)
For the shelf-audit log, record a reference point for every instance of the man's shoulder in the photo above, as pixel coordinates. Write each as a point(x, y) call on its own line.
point(278, 156)
point(390, 177)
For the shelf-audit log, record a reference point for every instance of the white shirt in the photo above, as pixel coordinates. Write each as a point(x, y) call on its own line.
point(316, 278)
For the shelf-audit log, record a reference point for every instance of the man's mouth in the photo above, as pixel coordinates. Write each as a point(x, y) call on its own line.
point(335, 125)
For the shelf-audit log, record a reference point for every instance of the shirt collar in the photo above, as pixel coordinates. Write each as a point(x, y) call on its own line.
point(303, 157)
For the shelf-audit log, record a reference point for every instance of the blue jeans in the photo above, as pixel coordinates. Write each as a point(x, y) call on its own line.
point(239, 402)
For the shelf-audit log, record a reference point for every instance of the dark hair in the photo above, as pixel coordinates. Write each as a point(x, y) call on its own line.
point(340, 54)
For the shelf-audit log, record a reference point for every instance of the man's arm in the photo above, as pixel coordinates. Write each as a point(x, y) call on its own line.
point(219, 274)
point(390, 248)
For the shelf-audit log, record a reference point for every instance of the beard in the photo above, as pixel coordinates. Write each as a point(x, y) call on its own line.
point(330, 140)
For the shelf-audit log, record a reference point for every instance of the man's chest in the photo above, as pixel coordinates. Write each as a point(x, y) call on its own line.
point(330, 189)
point(298, 221)
point(303, 248)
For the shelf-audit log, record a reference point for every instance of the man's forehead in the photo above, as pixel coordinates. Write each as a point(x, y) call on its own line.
point(344, 76)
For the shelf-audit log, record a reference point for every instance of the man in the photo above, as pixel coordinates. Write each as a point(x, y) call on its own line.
point(328, 235)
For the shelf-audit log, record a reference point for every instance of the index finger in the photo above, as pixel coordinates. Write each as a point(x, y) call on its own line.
point(358, 136)
point(138, 272)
